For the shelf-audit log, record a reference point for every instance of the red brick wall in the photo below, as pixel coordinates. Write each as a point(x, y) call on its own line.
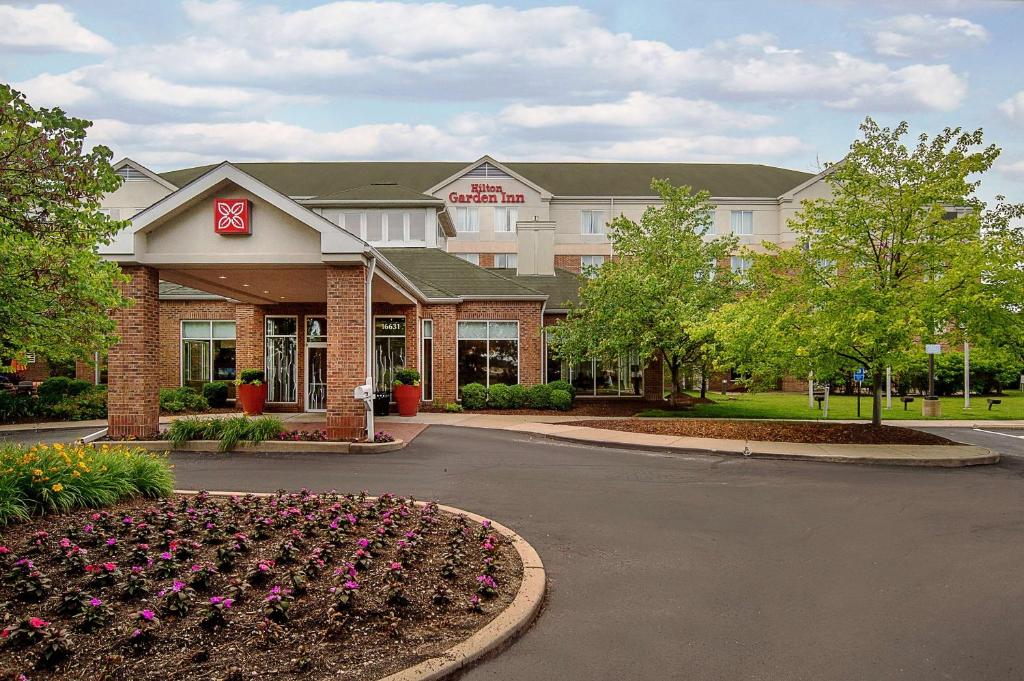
point(486, 260)
point(445, 360)
point(346, 350)
point(36, 371)
point(573, 263)
point(172, 312)
point(249, 345)
point(133, 405)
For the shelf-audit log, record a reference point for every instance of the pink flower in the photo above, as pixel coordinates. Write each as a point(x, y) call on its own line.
point(4, 550)
point(95, 602)
point(396, 566)
point(228, 603)
point(177, 586)
point(36, 623)
point(147, 615)
point(351, 585)
point(112, 541)
point(166, 555)
point(363, 543)
point(110, 567)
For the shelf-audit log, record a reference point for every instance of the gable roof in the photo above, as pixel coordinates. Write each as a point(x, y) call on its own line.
point(319, 180)
point(145, 171)
point(439, 274)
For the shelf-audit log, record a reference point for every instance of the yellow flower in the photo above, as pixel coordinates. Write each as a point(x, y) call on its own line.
point(57, 487)
point(76, 474)
point(37, 471)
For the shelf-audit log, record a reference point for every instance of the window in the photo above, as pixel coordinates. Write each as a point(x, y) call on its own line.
point(207, 352)
point(505, 219)
point(467, 219)
point(621, 376)
point(352, 223)
point(488, 352)
point(281, 347)
point(506, 260)
point(99, 368)
point(589, 263)
point(316, 363)
point(374, 227)
point(388, 349)
point(740, 265)
point(469, 257)
point(427, 355)
point(396, 226)
point(130, 174)
point(593, 222)
point(742, 222)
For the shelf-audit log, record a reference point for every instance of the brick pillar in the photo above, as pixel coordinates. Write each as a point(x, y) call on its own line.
point(249, 330)
point(412, 336)
point(133, 398)
point(654, 381)
point(445, 355)
point(346, 350)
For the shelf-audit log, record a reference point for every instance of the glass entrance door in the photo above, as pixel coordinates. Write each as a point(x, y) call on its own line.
point(316, 377)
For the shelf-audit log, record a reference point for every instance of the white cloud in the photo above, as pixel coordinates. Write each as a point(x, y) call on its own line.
point(1014, 170)
point(636, 110)
point(1014, 107)
point(481, 52)
point(912, 35)
point(48, 27)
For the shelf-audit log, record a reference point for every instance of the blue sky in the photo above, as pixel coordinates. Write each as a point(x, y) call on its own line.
point(174, 84)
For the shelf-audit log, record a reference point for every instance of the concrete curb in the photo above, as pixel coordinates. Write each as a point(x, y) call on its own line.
point(973, 455)
point(501, 631)
point(266, 447)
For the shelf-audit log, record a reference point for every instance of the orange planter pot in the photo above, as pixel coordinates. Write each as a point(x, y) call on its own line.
point(408, 399)
point(252, 398)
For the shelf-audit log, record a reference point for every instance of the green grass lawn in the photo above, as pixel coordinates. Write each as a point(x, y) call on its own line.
point(778, 405)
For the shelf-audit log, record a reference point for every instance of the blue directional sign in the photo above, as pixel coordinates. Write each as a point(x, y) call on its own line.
point(858, 375)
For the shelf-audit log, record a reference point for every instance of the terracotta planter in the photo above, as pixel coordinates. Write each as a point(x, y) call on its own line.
point(252, 398)
point(408, 399)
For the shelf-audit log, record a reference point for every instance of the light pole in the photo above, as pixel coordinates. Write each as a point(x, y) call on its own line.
point(967, 375)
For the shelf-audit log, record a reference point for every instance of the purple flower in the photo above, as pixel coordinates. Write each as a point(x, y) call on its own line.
point(166, 555)
point(363, 543)
point(215, 599)
point(95, 602)
point(147, 615)
point(351, 585)
point(112, 541)
point(177, 586)
point(487, 581)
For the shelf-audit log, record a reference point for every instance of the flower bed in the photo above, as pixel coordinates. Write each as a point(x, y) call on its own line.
point(60, 477)
point(248, 587)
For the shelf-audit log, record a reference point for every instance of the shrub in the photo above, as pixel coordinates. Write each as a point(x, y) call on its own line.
point(229, 431)
point(216, 393)
point(14, 407)
point(474, 396)
point(563, 385)
point(561, 400)
point(498, 397)
point(177, 400)
point(539, 397)
point(517, 396)
point(189, 428)
point(453, 408)
point(53, 390)
point(254, 376)
point(62, 478)
point(89, 404)
point(407, 377)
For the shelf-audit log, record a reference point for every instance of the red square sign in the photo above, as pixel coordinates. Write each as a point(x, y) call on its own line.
point(231, 216)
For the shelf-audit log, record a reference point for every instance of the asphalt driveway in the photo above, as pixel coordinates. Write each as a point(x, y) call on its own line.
point(697, 567)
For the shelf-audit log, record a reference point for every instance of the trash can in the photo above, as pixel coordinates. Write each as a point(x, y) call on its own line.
point(381, 402)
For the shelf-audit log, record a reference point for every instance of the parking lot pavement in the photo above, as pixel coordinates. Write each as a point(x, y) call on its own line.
point(1009, 442)
point(50, 435)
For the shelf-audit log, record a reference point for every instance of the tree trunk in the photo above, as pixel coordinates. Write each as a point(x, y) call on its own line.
point(673, 368)
point(703, 384)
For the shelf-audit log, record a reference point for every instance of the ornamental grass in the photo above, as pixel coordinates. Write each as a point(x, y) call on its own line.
point(62, 478)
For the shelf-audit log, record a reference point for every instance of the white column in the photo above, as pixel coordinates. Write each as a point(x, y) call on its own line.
point(967, 375)
point(810, 390)
point(888, 387)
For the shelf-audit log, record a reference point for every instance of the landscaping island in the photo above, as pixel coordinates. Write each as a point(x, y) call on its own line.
point(813, 432)
point(231, 587)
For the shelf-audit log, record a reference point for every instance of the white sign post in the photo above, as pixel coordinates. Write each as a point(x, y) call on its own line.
point(967, 375)
point(810, 390)
point(888, 387)
point(826, 403)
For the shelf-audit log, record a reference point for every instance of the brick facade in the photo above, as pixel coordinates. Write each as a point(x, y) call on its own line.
point(346, 350)
point(249, 345)
point(445, 347)
point(573, 263)
point(134, 362)
point(486, 260)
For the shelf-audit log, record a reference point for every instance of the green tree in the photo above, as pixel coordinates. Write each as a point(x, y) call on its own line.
point(55, 291)
point(904, 253)
point(658, 296)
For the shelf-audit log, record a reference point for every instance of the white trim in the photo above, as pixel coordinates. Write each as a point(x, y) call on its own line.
point(145, 171)
point(305, 367)
point(519, 350)
point(423, 338)
point(266, 372)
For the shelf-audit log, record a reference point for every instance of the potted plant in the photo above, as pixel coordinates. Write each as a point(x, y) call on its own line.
point(407, 391)
point(252, 391)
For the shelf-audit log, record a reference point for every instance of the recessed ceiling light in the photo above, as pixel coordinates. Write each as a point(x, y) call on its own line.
point(266, 291)
point(282, 297)
point(245, 285)
point(222, 277)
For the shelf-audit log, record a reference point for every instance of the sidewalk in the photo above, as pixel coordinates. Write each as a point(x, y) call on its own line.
point(553, 427)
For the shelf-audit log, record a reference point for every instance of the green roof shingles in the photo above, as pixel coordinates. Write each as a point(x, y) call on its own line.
point(439, 274)
point(327, 179)
point(562, 289)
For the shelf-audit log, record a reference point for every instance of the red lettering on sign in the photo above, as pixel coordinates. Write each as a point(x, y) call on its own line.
point(232, 216)
point(485, 193)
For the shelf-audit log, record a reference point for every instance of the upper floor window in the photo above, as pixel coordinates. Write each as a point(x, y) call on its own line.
point(386, 227)
point(506, 260)
point(593, 222)
point(130, 174)
point(743, 222)
point(740, 265)
point(470, 257)
point(467, 219)
point(505, 219)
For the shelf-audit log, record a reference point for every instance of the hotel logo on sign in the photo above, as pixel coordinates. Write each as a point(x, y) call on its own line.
point(485, 193)
point(232, 216)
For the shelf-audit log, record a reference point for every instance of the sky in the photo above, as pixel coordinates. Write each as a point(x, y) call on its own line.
point(183, 83)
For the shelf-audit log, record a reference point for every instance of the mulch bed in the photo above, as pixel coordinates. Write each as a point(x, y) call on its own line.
point(200, 587)
point(773, 431)
point(582, 406)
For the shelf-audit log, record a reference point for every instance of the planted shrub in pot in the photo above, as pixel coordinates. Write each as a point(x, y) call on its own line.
point(407, 391)
point(252, 391)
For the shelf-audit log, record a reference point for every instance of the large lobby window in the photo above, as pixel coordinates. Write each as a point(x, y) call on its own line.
point(281, 349)
point(488, 352)
point(207, 352)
